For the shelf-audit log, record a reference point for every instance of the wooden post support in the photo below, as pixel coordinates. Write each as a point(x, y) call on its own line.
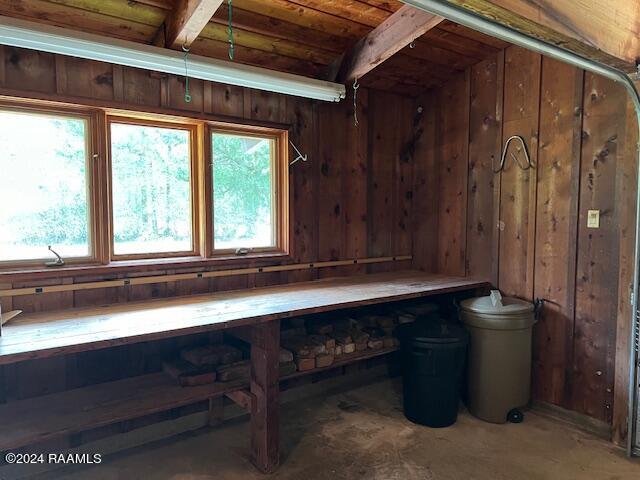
point(265, 416)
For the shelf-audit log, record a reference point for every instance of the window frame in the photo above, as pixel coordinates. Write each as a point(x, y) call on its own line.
point(92, 178)
point(102, 260)
point(280, 188)
point(160, 122)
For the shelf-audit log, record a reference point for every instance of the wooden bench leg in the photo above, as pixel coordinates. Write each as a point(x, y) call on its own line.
point(265, 415)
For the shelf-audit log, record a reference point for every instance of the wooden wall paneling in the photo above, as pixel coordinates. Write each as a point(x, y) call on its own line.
point(558, 177)
point(303, 181)
point(270, 278)
point(384, 133)
point(221, 284)
point(485, 147)
point(627, 181)
point(207, 97)
point(98, 296)
point(598, 251)
point(118, 83)
point(6, 303)
point(46, 302)
point(518, 187)
point(148, 291)
point(354, 182)
point(425, 188)
point(61, 75)
point(410, 133)
point(33, 378)
point(141, 87)
point(106, 365)
point(452, 135)
point(265, 106)
point(188, 287)
point(84, 78)
point(333, 130)
point(176, 90)
point(29, 70)
point(225, 100)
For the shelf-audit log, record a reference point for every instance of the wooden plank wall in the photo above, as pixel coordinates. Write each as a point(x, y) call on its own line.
point(526, 230)
point(334, 195)
point(334, 207)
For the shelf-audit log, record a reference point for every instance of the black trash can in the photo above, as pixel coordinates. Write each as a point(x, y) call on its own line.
point(433, 355)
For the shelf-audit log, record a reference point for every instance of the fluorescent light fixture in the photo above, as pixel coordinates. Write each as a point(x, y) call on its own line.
point(35, 36)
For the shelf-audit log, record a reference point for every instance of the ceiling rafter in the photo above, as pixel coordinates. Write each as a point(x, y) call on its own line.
point(185, 22)
point(388, 38)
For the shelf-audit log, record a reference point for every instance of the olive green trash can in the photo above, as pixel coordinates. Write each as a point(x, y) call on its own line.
point(499, 359)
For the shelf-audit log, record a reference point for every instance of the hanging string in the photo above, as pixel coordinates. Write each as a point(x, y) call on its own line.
point(187, 95)
point(356, 86)
point(230, 31)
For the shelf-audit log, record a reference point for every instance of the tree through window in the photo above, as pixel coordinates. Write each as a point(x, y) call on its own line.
point(44, 186)
point(151, 189)
point(244, 200)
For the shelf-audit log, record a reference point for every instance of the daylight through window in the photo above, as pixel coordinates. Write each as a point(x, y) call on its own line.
point(109, 187)
point(151, 189)
point(244, 213)
point(44, 194)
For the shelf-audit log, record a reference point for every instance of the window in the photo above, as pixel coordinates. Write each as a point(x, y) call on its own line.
point(151, 189)
point(44, 186)
point(117, 188)
point(247, 178)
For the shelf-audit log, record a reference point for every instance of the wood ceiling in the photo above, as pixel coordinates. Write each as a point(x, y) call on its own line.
point(296, 36)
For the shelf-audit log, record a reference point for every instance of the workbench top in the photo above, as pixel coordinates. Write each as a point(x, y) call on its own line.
point(47, 334)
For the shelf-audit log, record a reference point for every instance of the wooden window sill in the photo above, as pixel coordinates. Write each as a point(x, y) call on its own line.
point(144, 265)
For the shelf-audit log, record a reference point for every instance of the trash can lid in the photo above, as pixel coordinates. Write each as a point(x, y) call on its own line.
point(432, 331)
point(421, 309)
point(508, 306)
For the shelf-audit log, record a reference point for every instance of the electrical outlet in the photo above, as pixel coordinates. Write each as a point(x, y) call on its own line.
point(593, 219)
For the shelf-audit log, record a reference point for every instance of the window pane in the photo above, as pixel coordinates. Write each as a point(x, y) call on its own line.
point(242, 192)
point(151, 189)
point(43, 186)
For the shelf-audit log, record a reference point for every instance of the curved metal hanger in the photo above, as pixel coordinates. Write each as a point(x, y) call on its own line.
point(503, 159)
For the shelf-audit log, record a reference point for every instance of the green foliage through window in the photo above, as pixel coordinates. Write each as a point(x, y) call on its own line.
point(242, 191)
point(43, 186)
point(151, 189)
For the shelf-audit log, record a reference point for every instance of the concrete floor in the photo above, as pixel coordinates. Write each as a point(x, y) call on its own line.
point(361, 433)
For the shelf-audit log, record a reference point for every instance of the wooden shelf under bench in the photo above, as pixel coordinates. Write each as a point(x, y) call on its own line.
point(43, 335)
point(39, 419)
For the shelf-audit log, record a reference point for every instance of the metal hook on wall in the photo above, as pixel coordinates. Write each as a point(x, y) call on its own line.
point(300, 155)
point(503, 159)
point(356, 86)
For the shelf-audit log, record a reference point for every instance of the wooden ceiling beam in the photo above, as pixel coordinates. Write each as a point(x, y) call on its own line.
point(185, 22)
point(391, 36)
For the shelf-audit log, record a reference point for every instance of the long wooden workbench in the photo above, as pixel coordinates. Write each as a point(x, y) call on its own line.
point(45, 335)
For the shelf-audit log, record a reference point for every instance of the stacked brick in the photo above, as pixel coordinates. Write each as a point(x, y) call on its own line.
point(307, 343)
point(317, 342)
point(203, 364)
point(218, 362)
